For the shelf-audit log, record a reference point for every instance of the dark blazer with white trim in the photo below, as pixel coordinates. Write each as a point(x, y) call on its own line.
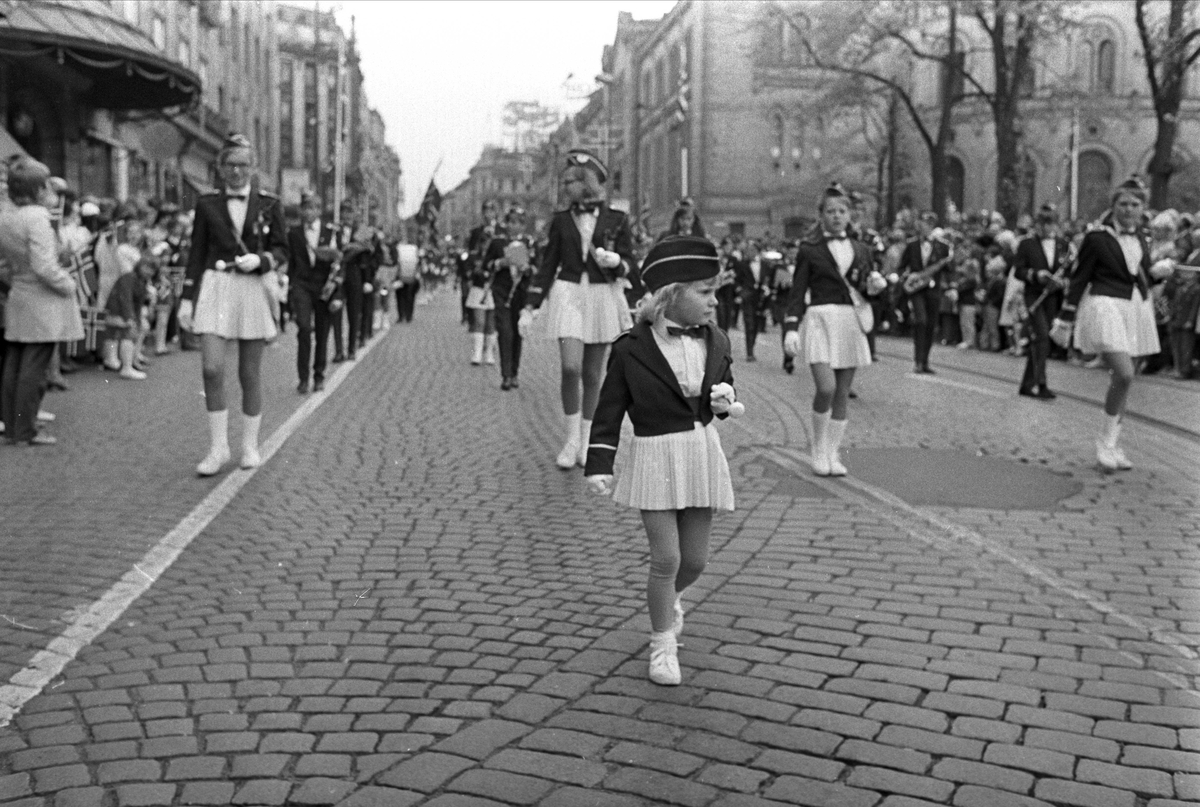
point(562, 257)
point(640, 382)
point(1101, 271)
point(264, 233)
point(817, 272)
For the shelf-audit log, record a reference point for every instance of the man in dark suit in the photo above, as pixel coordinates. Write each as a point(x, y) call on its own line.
point(1039, 257)
point(922, 267)
point(753, 281)
point(313, 245)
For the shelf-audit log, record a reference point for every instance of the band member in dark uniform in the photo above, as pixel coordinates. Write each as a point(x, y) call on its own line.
point(1116, 318)
point(921, 270)
point(821, 326)
point(753, 289)
point(238, 243)
point(477, 242)
point(588, 252)
point(1040, 261)
point(509, 260)
point(315, 248)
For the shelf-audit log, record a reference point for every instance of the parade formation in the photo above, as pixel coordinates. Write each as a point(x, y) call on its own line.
point(421, 580)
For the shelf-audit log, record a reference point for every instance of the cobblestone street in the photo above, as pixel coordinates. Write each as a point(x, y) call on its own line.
point(409, 604)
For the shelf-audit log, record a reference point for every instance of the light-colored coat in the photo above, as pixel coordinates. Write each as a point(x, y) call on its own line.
point(42, 306)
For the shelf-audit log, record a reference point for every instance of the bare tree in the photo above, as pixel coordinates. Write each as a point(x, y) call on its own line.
point(1169, 48)
point(531, 122)
point(858, 41)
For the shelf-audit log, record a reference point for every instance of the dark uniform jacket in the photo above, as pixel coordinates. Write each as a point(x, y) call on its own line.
point(911, 263)
point(213, 238)
point(1101, 269)
point(639, 381)
point(817, 280)
point(562, 258)
point(1031, 259)
point(302, 271)
point(505, 291)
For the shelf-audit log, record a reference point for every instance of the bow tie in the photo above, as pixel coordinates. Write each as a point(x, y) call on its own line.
point(585, 207)
point(835, 236)
point(695, 331)
point(241, 197)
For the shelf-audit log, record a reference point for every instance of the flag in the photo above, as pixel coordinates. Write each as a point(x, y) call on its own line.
point(431, 205)
point(93, 324)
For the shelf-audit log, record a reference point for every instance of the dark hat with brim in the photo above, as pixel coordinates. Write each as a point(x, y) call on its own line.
point(679, 259)
point(586, 159)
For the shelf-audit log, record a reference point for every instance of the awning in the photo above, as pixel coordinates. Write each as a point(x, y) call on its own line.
point(8, 146)
point(125, 68)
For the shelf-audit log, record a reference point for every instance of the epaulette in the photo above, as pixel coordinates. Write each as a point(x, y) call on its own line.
point(268, 194)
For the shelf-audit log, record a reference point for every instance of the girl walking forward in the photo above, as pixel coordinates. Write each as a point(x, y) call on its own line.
point(671, 375)
point(238, 243)
point(588, 253)
point(821, 326)
point(1116, 318)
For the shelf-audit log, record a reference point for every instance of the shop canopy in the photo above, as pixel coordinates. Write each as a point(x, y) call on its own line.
point(125, 69)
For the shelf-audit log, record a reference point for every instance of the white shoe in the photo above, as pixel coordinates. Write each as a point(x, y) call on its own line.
point(820, 444)
point(1107, 456)
point(835, 465)
point(664, 660)
point(1118, 455)
point(250, 457)
point(677, 626)
point(568, 458)
point(132, 374)
point(45, 417)
point(211, 465)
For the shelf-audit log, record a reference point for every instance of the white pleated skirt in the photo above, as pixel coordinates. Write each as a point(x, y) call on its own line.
point(480, 298)
point(595, 313)
point(830, 334)
point(234, 305)
point(1116, 325)
point(673, 471)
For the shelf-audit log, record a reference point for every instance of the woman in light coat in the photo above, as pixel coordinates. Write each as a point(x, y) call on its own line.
point(42, 309)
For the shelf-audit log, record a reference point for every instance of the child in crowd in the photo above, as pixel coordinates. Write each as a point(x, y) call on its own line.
point(993, 300)
point(671, 374)
point(124, 316)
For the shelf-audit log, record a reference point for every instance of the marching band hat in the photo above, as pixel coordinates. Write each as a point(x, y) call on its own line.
point(89, 209)
point(1135, 187)
point(1047, 214)
point(587, 159)
point(679, 259)
point(235, 140)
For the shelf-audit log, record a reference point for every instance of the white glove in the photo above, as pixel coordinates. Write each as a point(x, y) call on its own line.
point(606, 259)
point(721, 397)
point(1162, 269)
point(791, 343)
point(368, 288)
point(1060, 332)
point(248, 262)
point(600, 484)
point(525, 322)
point(184, 314)
point(876, 283)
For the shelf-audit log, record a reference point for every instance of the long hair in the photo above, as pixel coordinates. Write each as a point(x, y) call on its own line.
point(652, 307)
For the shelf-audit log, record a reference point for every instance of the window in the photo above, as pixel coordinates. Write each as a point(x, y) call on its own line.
point(778, 143)
point(1095, 182)
point(737, 228)
point(185, 53)
point(1106, 66)
point(158, 32)
point(673, 67)
point(660, 82)
point(952, 77)
point(130, 9)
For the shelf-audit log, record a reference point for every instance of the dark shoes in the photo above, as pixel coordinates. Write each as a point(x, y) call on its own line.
point(750, 357)
point(1042, 393)
point(924, 370)
point(1027, 392)
point(339, 358)
point(302, 388)
point(506, 384)
point(789, 365)
point(318, 385)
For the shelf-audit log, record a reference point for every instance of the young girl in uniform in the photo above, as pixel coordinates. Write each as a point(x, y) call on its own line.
point(671, 374)
point(1115, 319)
point(821, 326)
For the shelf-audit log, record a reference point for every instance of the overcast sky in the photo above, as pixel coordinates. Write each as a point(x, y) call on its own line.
point(441, 72)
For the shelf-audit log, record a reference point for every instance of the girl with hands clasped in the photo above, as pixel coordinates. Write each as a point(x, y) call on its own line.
point(821, 325)
point(671, 374)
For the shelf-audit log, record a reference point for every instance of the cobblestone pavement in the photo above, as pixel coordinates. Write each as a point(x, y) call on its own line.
point(409, 605)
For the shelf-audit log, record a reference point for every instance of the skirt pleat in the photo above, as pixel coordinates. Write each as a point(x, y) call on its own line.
point(673, 471)
point(830, 334)
point(233, 305)
point(1116, 325)
point(595, 313)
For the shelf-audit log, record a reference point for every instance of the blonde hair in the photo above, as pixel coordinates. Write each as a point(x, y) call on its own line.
point(653, 306)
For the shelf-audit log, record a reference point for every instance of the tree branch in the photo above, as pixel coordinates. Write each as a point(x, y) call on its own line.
point(1139, 13)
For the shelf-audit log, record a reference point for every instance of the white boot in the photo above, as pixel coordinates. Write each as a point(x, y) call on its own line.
point(1108, 454)
point(568, 458)
point(490, 343)
point(126, 352)
point(108, 352)
point(218, 451)
point(585, 436)
point(664, 659)
point(837, 429)
point(820, 445)
point(477, 355)
point(250, 455)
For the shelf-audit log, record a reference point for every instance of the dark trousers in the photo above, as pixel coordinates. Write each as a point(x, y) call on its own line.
point(367, 327)
point(925, 306)
point(750, 322)
point(406, 299)
point(354, 314)
point(336, 318)
point(312, 319)
point(1039, 350)
point(726, 307)
point(509, 339)
point(22, 386)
